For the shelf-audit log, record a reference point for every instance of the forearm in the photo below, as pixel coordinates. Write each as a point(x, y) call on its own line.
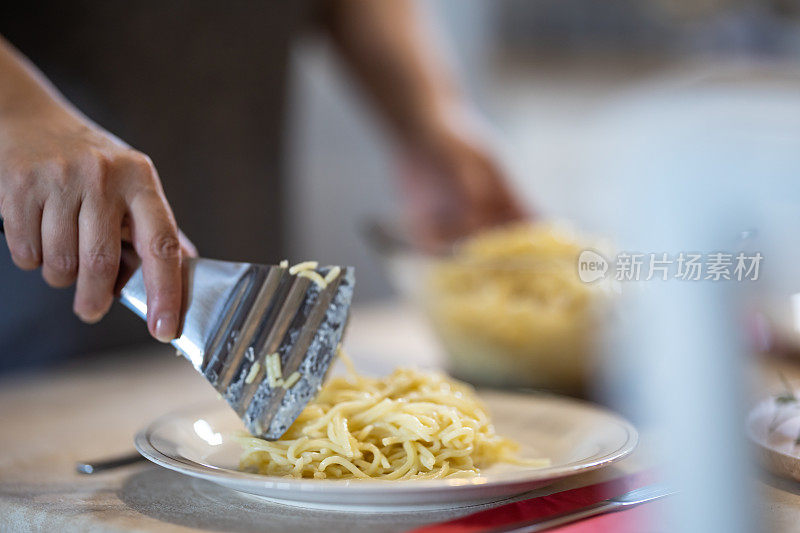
point(453, 185)
point(24, 90)
point(390, 51)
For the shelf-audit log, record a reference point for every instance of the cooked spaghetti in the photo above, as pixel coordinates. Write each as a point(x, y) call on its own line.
point(306, 270)
point(409, 425)
point(511, 310)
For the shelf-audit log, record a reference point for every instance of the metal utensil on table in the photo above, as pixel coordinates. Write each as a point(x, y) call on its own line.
point(95, 467)
point(618, 503)
point(236, 314)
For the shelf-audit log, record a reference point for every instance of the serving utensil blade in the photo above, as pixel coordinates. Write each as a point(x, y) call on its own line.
point(237, 314)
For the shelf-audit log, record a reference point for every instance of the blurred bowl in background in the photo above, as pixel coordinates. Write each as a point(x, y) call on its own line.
point(507, 305)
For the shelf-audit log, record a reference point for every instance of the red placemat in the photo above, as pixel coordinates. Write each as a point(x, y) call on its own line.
point(634, 520)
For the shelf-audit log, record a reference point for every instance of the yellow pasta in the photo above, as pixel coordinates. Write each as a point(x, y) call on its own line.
point(300, 267)
point(332, 274)
point(408, 425)
point(274, 372)
point(313, 276)
point(291, 380)
point(511, 309)
point(251, 376)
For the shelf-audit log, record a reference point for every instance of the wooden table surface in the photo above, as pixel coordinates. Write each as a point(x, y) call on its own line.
point(91, 410)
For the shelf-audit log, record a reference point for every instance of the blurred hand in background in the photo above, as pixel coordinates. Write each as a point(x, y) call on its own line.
point(452, 184)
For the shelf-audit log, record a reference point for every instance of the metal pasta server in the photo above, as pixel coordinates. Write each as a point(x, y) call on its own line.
point(236, 314)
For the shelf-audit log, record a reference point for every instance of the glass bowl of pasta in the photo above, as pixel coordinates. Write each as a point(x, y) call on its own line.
point(508, 306)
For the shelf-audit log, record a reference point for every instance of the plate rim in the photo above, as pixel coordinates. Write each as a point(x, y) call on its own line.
point(227, 476)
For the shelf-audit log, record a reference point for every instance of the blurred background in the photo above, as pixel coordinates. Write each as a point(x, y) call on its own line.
point(248, 181)
point(554, 79)
point(661, 125)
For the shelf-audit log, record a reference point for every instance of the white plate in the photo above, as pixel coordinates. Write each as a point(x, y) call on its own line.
point(576, 436)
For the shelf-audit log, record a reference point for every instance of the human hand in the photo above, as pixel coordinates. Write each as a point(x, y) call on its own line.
point(69, 194)
point(453, 185)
